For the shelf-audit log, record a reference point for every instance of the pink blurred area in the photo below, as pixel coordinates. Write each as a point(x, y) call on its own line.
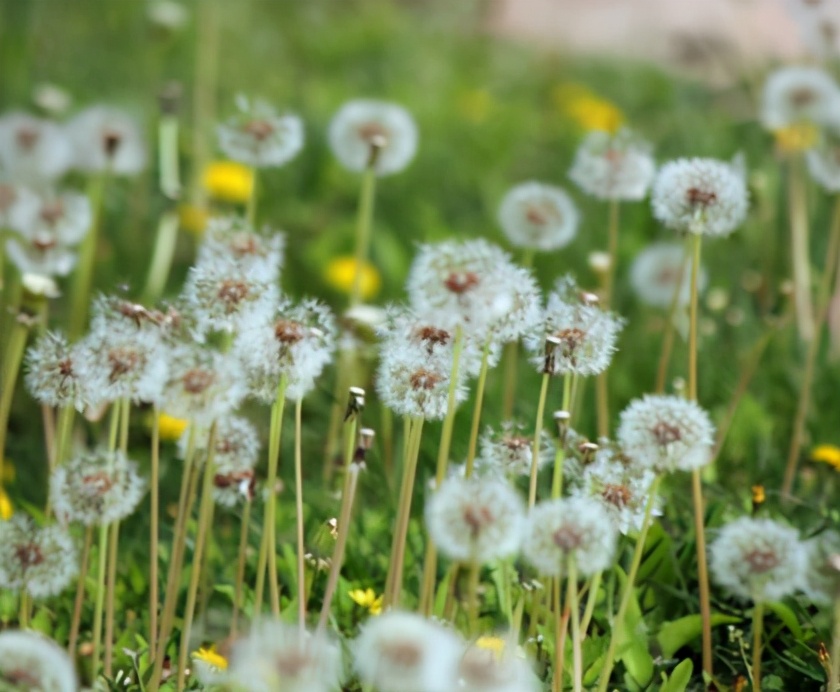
point(713, 35)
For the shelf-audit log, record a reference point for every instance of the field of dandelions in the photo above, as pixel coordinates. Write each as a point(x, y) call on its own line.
point(346, 348)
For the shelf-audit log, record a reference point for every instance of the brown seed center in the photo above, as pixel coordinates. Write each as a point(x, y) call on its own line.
point(197, 380)
point(665, 433)
point(701, 198)
point(567, 538)
point(123, 360)
point(27, 138)
point(288, 332)
point(259, 129)
point(29, 555)
point(401, 653)
point(51, 212)
point(762, 560)
point(617, 495)
point(477, 518)
point(424, 379)
point(461, 282)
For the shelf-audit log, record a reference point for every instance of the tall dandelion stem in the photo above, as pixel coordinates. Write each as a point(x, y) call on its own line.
point(83, 280)
point(798, 210)
point(591, 600)
point(834, 674)
point(80, 593)
point(577, 651)
point(364, 222)
point(601, 382)
point(11, 365)
point(758, 629)
point(669, 330)
point(240, 567)
point(154, 498)
point(538, 423)
point(473, 579)
point(479, 402)
point(301, 581)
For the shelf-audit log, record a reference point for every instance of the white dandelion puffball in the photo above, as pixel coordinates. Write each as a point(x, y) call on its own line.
point(582, 336)
point(96, 488)
point(508, 451)
point(703, 196)
point(43, 561)
point(613, 166)
point(660, 270)
point(230, 239)
point(486, 670)
point(52, 376)
point(51, 219)
point(259, 136)
point(203, 385)
point(404, 652)
point(33, 150)
point(822, 578)
point(107, 139)
point(575, 528)
point(30, 661)
point(359, 125)
point(539, 216)
point(666, 433)
point(475, 519)
point(277, 656)
point(758, 559)
point(799, 94)
point(33, 257)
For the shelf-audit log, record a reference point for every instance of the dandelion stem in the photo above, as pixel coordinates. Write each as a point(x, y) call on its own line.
point(834, 673)
point(823, 298)
point(251, 207)
point(64, 431)
point(535, 456)
point(560, 454)
point(758, 629)
point(11, 365)
point(601, 382)
point(561, 621)
point(473, 579)
point(159, 267)
point(668, 333)
point(113, 546)
point(23, 617)
point(99, 602)
point(204, 91)
point(301, 583)
point(240, 567)
point(572, 600)
point(591, 600)
point(154, 494)
point(627, 592)
point(87, 257)
point(48, 421)
point(364, 225)
point(479, 401)
point(80, 594)
point(798, 210)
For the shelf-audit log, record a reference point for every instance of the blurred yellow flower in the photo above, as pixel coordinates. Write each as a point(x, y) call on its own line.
point(6, 509)
point(340, 273)
point(193, 219)
point(828, 454)
point(475, 104)
point(797, 137)
point(758, 495)
point(171, 428)
point(211, 657)
point(229, 181)
point(494, 644)
point(368, 599)
point(586, 108)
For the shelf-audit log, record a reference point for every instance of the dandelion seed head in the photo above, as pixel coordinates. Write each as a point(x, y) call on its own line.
point(107, 139)
point(613, 166)
point(30, 661)
point(258, 254)
point(33, 150)
point(657, 271)
point(799, 94)
point(758, 559)
point(52, 372)
point(259, 136)
point(43, 561)
point(822, 577)
point(485, 670)
point(51, 220)
point(509, 452)
point(362, 124)
point(538, 216)
point(38, 257)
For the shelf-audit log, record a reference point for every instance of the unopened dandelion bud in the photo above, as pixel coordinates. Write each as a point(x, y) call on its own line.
point(561, 420)
point(366, 438)
point(169, 98)
point(600, 262)
point(551, 344)
point(679, 385)
point(588, 298)
point(355, 403)
point(377, 143)
point(588, 450)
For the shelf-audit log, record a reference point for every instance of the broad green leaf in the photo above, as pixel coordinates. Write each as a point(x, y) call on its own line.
point(676, 634)
point(679, 678)
point(787, 616)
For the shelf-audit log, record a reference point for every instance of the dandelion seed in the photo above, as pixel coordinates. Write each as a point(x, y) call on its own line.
point(703, 196)
point(42, 561)
point(360, 125)
point(539, 216)
point(796, 94)
point(575, 528)
point(666, 434)
point(107, 139)
point(824, 161)
point(29, 661)
point(403, 652)
point(658, 269)
point(33, 150)
point(96, 488)
point(475, 519)
point(758, 559)
point(259, 136)
point(614, 167)
point(509, 452)
point(52, 376)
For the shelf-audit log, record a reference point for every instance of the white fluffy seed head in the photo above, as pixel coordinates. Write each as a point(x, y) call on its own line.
point(259, 136)
point(758, 559)
point(703, 196)
point(32, 257)
point(277, 656)
point(361, 124)
point(42, 561)
point(576, 528)
point(822, 577)
point(96, 488)
point(583, 335)
point(475, 519)
point(539, 216)
point(106, 138)
point(666, 433)
point(613, 166)
point(509, 452)
point(33, 150)
point(823, 161)
point(486, 670)
point(50, 220)
point(659, 271)
point(404, 652)
point(799, 94)
point(30, 661)
point(258, 254)
point(52, 376)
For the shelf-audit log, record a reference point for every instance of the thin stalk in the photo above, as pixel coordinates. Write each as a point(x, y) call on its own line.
point(395, 568)
point(111, 584)
point(538, 424)
point(601, 382)
point(99, 602)
point(364, 225)
point(301, 583)
point(668, 335)
point(479, 401)
point(834, 674)
point(591, 599)
point(449, 601)
point(83, 279)
point(170, 175)
point(823, 298)
point(251, 206)
point(758, 629)
point(510, 375)
point(561, 621)
point(240, 568)
point(11, 365)
point(23, 616)
point(618, 621)
point(386, 425)
point(161, 263)
point(473, 579)
point(80, 594)
point(798, 209)
point(560, 454)
point(154, 494)
point(64, 431)
point(577, 651)
point(48, 423)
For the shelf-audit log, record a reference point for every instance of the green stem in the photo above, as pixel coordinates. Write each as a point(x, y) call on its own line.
point(63, 433)
point(560, 454)
point(535, 455)
point(479, 401)
point(668, 334)
point(801, 263)
point(11, 365)
point(23, 616)
point(834, 674)
point(473, 579)
point(113, 547)
point(364, 225)
point(154, 494)
point(80, 594)
point(170, 178)
point(591, 599)
point(161, 264)
point(758, 629)
point(83, 280)
point(572, 600)
point(240, 568)
point(301, 548)
point(251, 207)
point(99, 603)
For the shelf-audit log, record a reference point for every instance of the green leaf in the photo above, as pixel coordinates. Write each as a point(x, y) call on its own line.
point(787, 616)
point(679, 678)
point(676, 634)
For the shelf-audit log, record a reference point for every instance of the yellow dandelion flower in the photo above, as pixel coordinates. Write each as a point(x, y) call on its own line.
point(229, 181)
point(494, 644)
point(587, 109)
point(340, 273)
point(6, 508)
point(367, 599)
point(797, 137)
point(758, 496)
point(171, 428)
point(827, 454)
point(193, 218)
point(211, 657)
point(474, 105)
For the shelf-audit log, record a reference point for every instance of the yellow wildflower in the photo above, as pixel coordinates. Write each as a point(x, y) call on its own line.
point(474, 105)
point(229, 181)
point(171, 428)
point(6, 509)
point(758, 496)
point(211, 657)
point(368, 599)
point(340, 273)
point(587, 109)
point(494, 644)
point(796, 137)
point(828, 454)
point(193, 218)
